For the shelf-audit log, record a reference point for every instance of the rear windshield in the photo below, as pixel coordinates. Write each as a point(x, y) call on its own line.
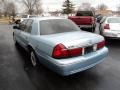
point(84, 13)
point(113, 20)
point(57, 26)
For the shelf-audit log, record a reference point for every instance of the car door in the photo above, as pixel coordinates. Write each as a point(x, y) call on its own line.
point(22, 27)
point(16, 34)
point(25, 34)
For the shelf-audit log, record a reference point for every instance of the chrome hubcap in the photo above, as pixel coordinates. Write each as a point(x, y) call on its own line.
point(33, 59)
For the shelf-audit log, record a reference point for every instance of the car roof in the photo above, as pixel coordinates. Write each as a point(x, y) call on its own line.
point(45, 18)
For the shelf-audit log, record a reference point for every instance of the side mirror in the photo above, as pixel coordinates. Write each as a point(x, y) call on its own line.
point(17, 22)
point(16, 27)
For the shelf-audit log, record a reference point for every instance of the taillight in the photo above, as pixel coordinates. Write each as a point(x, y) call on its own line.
point(60, 51)
point(75, 52)
point(100, 45)
point(106, 26)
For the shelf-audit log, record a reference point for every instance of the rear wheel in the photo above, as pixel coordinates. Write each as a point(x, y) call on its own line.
point(93, 28)
point(33, 58)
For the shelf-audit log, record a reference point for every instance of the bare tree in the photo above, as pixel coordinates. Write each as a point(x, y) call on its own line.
point(118, 10)
point(10, 9)
point(32, 6)
point(85, 6)
point(102, 7)
point(38, 8)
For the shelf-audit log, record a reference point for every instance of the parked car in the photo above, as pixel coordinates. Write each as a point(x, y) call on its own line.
point(59, 44)
point(111, 27)
point(28, 16)
point(19, 19)
point(85, 20)
point(98, 17)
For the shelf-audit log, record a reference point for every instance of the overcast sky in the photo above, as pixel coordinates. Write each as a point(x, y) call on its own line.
point(56, 4)
point(52, 5)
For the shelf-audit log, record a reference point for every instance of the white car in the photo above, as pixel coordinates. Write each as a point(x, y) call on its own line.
point(23, 17)
point(28, 16)
point(110, 27)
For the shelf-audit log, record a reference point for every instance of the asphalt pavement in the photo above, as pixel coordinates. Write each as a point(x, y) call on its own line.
point(16, 72)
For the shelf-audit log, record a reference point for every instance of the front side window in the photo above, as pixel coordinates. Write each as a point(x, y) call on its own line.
point(23, 25)
point(54, 26)
point(29, 26)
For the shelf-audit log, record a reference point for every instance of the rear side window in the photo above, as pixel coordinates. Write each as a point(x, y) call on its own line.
point(57, 26)
point(113, 20)
point(84, 13)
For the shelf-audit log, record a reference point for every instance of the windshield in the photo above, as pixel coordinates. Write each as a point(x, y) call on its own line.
point(113, 20)
point(57, 26)
point(84, 13)
point(31, 16)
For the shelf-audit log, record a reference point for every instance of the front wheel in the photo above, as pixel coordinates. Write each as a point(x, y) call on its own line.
point(100, 30)
point(15, 41)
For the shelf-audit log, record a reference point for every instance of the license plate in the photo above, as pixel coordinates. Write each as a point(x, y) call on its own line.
point(88, 49)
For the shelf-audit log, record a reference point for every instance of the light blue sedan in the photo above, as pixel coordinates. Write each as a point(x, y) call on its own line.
point(59, 44)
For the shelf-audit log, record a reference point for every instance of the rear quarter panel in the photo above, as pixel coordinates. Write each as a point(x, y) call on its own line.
point(40, 45)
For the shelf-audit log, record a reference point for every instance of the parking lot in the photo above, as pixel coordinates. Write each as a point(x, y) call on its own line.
point(17, 74)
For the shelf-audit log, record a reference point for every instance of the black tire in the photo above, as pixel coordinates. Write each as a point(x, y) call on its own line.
point(15, 41)
point(100, 30)
point(33, 58)
point(93, 29)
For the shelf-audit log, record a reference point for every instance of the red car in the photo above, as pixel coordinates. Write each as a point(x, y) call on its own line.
point(85, 20)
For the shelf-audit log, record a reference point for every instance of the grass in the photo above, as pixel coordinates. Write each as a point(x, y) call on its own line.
point(4, 20)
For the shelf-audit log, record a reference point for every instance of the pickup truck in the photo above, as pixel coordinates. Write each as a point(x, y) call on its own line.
point(85, 20)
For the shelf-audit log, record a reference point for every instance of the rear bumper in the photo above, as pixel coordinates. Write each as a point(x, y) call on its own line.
point(87, 27)
point(70, 66)
point(111, 34)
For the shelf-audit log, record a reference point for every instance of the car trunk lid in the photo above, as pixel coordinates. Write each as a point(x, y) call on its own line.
point(82, 20)
point(114, 26)
point(73, 39)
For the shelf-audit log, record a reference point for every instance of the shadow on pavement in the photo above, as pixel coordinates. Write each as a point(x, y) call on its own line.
point(113, 42)
point(44, 78)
